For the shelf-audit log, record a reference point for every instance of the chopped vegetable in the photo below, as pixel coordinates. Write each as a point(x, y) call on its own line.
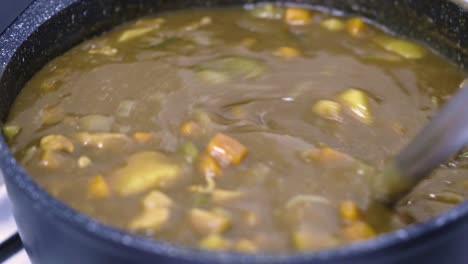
point(403, 48)
point(52, 114)
point(358, 230)
point(306, 240)
point(226, 150)
point(214, 242)
point(306, 198)
point(208, 189)
point(96, 123)
point(206, 222)
point(267, 11)
point(189, 151)
point(11, 131)
point(233, 67)
point(328, 110)
point(333, 24)
point(357, 101)
point(98, 187)
point(56, 143)
point(153, 219)
point(104, 50)
point(133, 33)
point(209, 166)
point(143, 171)
point(190, 128)
point(84, 162)
point(349, 211)
point(125, 108)
point(287, 52)
point(100, 140)
point(156, 199)
point(143, 137)
point(356, 26)
point(219, 196)
point(298, 16)
point(245, 246)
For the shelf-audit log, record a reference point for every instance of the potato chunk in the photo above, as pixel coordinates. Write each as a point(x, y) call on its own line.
point(56, 143)
point(358, 231)
point(206, 222)
point(156, 199)
point(151, 219)
point(328, 110)
point(214, 242)
point(358, 102)
point(143, 171)
point(226, 150)
point(297, 16)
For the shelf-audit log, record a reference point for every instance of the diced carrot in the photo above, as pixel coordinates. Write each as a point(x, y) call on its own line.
point(349, 211)
point(98, 187)
point(355, 26)
point(226, 150)
point(209, 166)
point(143, 137)
point(297, 16)
point(358, 231)
point(190, 128)
point(287, 52)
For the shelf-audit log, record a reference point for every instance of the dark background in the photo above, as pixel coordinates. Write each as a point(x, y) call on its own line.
point(9, 10)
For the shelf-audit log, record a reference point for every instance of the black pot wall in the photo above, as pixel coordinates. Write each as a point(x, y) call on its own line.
point(53, 233)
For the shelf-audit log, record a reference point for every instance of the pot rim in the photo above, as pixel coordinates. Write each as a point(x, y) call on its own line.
point(34, 17)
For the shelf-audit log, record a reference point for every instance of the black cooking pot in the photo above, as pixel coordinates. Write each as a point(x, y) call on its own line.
point(54, 233)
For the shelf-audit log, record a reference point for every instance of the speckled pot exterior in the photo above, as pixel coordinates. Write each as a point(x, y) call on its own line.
point(53, 233)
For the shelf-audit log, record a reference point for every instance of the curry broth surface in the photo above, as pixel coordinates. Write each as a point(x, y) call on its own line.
point(165, 86)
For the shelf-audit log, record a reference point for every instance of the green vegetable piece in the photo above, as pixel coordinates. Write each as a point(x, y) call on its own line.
point(134, 33)
point(233, 67)
point(267, 11)
point(333, 24)
point(403, 48)
point(144, 171)
point(11, 131)
point(189, 151)
point(357, 101)
point(328, 109)
point(125, 108)
point(96, 123)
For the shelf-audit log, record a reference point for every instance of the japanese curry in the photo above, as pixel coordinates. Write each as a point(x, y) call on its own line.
point(250, 130)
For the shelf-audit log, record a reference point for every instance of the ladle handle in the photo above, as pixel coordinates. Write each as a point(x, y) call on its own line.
point(442, 138)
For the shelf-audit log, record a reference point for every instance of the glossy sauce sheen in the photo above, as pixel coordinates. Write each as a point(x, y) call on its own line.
point(251, 78)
